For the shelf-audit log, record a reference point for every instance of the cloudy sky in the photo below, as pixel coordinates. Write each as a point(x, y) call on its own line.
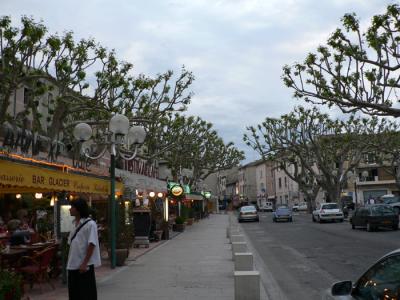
point(235, 48)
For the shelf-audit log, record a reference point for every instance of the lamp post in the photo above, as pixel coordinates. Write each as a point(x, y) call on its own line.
point(117, 139)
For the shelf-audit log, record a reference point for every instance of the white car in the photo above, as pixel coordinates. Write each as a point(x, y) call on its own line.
point(393, 201)
point(302, 206)
point(327, 212)
point(381, 281)
point(266, 206)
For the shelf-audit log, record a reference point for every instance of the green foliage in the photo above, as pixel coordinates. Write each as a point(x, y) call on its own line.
point(315, 150)
point(356, 70)
point(44, 225)
point(61, 64)
point(180, 220)
point(10, 285)
point(193, 143)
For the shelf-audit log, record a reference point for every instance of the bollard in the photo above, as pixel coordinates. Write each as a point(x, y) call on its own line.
point(239, 247)
point(247, 285)
point(233, 231)
point(237, 238)
point(244, 261)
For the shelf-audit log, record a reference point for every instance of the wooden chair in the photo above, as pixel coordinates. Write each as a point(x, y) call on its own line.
point(35, 268)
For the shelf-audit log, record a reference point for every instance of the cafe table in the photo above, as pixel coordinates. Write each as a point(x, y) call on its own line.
point(10, 257)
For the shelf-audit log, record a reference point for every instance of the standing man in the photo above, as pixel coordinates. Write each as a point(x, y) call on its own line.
point(84, 254)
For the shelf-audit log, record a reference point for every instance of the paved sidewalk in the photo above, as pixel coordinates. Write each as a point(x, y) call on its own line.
point(194, 265)
point(102, 273)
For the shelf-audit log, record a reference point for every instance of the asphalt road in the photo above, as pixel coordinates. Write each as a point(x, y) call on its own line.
point(301, 260)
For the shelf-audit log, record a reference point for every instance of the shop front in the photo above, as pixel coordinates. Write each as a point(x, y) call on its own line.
point(29, 190)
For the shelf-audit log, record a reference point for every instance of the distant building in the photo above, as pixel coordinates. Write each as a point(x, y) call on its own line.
point(247, 183)
point(287, 190)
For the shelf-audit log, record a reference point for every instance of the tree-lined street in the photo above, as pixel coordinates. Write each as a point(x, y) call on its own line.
point(306, 258)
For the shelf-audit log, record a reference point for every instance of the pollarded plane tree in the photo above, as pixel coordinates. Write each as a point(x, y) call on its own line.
point(197, 147)
point(314, 150)
point(87, 80)
point(357, 70)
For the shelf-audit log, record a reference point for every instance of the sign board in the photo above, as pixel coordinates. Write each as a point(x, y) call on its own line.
point(66, 219)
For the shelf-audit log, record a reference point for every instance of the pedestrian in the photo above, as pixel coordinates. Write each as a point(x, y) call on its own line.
point(84, 253)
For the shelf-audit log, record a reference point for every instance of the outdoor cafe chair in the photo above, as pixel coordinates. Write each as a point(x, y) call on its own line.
point(35, 268)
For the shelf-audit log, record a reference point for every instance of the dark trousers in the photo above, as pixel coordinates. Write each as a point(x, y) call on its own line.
point(82, 286)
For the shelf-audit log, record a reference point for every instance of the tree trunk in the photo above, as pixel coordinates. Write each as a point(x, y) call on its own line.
point(56, 123)
point(5, 103)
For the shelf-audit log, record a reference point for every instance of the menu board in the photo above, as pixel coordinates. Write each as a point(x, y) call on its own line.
point(66, 219)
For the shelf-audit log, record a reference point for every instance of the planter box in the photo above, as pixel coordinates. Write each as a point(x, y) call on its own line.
point(178, 227)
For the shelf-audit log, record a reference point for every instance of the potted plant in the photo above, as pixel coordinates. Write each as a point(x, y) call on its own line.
point(10, 286)
point(190, 219)
point(179, 224)
point(124, 239)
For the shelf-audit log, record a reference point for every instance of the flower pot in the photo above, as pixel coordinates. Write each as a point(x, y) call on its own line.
point(178, 227)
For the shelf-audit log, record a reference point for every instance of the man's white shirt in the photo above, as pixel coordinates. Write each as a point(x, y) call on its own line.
point(78, 247)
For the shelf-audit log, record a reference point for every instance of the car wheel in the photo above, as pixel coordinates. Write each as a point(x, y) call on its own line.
point(274, 220)
point(319, 220)
point(313, 219)
point(395, 227)
point(291, 220)
point(341, 220)
point(353, 226)
point(369, 227)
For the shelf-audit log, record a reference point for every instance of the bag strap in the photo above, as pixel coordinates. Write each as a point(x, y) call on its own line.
point(79, 228)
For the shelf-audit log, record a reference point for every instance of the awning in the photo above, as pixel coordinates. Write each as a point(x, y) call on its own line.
point(194, 197)
point(18, 177)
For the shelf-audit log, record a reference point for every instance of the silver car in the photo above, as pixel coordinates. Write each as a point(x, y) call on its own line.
point(248, 213)
point(381, 281)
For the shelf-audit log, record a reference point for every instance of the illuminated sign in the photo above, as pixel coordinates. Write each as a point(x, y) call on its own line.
point(177, 190)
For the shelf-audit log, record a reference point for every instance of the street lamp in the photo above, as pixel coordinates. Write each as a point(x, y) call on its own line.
point(118, 139)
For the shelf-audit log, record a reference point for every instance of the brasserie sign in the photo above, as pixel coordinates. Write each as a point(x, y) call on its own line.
point(20, 175)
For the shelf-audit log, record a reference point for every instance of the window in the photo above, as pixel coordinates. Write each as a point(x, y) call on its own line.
point(285, 182)
point(280, 182)
point(381, 281)
point(370, 158)
point(27, 96)
point(261, 174)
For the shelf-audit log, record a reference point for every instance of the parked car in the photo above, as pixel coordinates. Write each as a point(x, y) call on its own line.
point(282, 214)
point(374, 216)
point(381, 281)
point(266, 206)
point(392, 200)
point(302, 206)
point(327, 212)
point(248, 213)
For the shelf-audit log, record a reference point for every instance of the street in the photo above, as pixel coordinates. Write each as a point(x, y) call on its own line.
point(301, 260)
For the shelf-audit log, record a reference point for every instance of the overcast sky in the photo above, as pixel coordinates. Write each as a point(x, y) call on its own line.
point(235, 48)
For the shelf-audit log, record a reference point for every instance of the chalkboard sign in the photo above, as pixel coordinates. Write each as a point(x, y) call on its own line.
point(142, 222)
